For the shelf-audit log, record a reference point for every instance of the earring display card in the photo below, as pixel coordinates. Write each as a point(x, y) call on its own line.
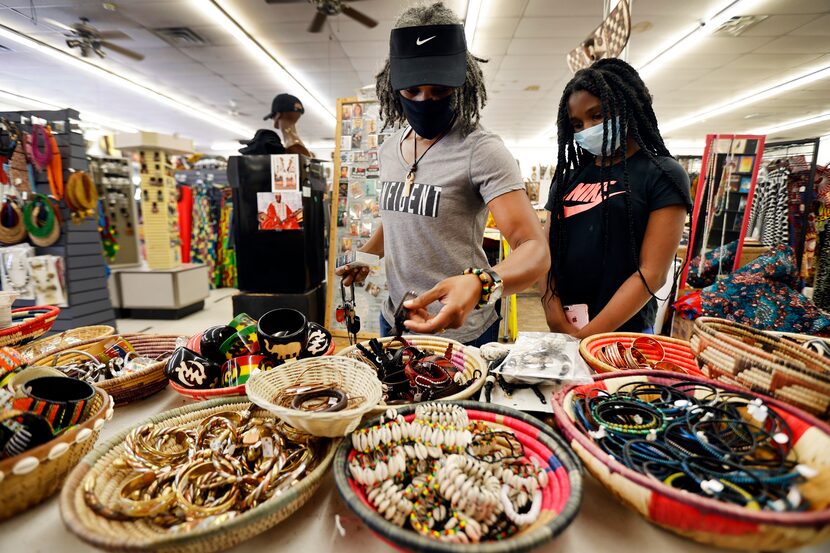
point(49, 280)
point(359, 134)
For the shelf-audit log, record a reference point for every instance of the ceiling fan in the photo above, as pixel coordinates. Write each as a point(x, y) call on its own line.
point(233, 109)
point(89, 40)
point(326, 8)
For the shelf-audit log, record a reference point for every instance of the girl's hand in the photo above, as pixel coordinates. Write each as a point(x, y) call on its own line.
point(459, 295)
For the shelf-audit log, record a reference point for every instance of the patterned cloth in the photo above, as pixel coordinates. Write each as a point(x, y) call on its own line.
point(760, 294)
point(203, 243)
point(770, 207)
point(719, 260)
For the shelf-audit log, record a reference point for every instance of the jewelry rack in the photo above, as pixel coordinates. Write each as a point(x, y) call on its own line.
point(113, 177)
point(80, 243)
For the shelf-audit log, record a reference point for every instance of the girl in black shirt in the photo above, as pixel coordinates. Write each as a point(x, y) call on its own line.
point(611, 244)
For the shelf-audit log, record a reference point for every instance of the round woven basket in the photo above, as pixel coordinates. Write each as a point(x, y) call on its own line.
point(133, 386)
point(36, 474)
point(677, 351)
point(743, 356)
point(475, 367)
point(42, 347)
point(355, 378)
point(560, 500)
point(144, 536)
point(28, 324)
point(702, 519)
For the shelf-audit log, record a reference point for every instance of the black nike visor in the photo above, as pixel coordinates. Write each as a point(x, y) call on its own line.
point(428, 55)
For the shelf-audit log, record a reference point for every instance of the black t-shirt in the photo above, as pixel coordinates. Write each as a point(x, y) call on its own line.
point(585, 276)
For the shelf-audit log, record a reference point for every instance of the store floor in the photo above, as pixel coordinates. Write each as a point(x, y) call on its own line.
point(602, 524)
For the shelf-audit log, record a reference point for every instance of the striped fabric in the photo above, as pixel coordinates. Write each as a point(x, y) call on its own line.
point(770, 208)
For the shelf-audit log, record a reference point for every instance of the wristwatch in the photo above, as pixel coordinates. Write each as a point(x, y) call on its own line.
point(496, 287)
point(492, 286)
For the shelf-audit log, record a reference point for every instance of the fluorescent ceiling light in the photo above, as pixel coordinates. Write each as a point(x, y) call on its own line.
point(794, 124)
point(25, 102)
point(147, 89)
point(748, 98)
point(471, 21)
point(691, 37)
point(218, 12)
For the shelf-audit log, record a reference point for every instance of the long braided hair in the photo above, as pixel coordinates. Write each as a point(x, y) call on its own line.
point(467, 101)
point(623, 95)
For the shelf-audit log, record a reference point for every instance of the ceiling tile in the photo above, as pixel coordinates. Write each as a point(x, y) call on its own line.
point(366, 49)
point(502, 8)
point(819, 26)
point(501, 27)
point(717, 46)
point(541, 46)
point(777, 25)
point(552, 8)
point(544, 27)
point(797, 45)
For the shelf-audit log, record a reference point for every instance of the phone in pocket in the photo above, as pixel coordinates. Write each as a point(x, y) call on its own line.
point(577, 314)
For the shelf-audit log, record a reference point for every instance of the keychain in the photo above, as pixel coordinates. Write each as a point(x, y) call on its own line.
point(346, 313)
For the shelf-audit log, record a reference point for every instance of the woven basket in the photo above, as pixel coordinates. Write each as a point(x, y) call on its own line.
point(695, 517)
point(475, 367)
point(134, 386)
point(561, 499)
point(355, 378)
point(36, 474)
point(743, 356)
point(42, 347)
point(144, 536)
point(210, 393)
point(28, 324)
point(677, 351)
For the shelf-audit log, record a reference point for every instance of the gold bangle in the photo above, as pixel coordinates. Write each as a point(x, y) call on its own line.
point(139, 508)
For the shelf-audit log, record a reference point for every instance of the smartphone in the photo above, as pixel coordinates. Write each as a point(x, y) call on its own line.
point(402, 313)
point(577, 314)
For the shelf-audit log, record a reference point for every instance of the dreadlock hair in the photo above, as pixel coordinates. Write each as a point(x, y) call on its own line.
point(467, 101)
point(623, 94)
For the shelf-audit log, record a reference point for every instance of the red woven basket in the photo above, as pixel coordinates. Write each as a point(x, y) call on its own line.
point(676, 351)
point(560, 500)
point(29, 323)
point(700, 518)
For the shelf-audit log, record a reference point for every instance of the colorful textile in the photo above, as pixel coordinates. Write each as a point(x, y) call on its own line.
point(760, 294)
point(715, 261)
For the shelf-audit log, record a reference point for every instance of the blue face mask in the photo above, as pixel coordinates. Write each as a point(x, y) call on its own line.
point(591, 138)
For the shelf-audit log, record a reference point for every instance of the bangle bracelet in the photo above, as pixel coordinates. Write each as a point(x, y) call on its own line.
point(138, 508)
point(340, 397)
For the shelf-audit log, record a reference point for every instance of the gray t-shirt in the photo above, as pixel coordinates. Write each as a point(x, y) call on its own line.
point(437, 231)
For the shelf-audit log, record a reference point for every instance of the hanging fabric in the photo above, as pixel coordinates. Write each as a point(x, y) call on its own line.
point(769, 214)
point(185, 208)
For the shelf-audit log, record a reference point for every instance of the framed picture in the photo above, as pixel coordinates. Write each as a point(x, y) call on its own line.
point(746, 163)
point(746, 182)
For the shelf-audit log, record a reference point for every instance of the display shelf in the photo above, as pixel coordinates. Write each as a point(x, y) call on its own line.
point(80, 243)
point(144, 293)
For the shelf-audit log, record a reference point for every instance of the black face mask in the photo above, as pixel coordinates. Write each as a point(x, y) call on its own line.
point(428, 118)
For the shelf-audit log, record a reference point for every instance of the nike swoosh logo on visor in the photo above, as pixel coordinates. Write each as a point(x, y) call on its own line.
point(571, 210)
point(418, 40)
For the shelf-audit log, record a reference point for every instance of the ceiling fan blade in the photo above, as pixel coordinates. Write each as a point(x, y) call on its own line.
point(121, 50)
point(283, 1)
point(317, 23)
point(59, 25)
point(114, 35)
point(360, 17)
